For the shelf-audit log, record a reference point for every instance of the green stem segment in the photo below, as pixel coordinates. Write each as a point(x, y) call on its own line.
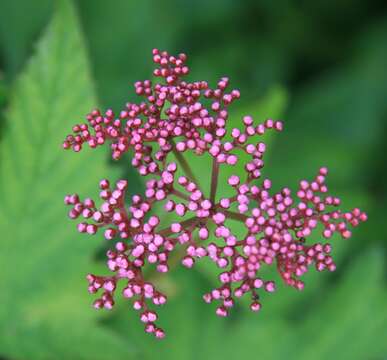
point(184, 164)
point(214, 180)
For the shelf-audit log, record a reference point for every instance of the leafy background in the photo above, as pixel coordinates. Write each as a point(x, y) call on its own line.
point(320, 66)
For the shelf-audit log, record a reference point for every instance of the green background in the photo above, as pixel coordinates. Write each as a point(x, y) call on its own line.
point(321, 66)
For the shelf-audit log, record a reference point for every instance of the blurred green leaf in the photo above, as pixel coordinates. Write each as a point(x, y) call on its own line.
point(351, 319)
point(20, 24)
point(3, 100)
point(121, 37)
point(3, 95)
point(44, 312)
point(338, 119)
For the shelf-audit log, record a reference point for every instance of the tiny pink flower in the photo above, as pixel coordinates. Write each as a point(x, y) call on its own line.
point(176, 117)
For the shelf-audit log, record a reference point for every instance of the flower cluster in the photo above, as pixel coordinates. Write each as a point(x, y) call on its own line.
point(177, 119)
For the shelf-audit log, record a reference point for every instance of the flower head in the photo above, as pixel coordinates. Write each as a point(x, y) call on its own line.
point(175, 117)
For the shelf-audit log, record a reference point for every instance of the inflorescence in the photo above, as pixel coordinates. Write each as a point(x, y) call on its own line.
point(179, 117)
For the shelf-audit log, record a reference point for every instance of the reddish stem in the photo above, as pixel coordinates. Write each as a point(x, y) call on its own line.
point(235, 216)
point(180, 194)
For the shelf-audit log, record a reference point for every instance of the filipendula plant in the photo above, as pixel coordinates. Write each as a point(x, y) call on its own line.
point(177, 119)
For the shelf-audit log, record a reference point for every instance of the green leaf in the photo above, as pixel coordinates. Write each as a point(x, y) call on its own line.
point(3, 93)
point(127, 58)
point(349, 322)
point(20, 24)
point(44, 310)
point(3, 101)
point(338, 119)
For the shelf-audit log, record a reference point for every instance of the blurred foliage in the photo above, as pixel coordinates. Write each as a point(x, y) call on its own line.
point(3, 102)
point(3, 93)
point(20, 25)
point(331, 61)
point(45, 267)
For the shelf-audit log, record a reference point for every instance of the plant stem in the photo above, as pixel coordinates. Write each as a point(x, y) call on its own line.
point(214, 179)
point(183, 162)
point(235, 216)
point(180, 194)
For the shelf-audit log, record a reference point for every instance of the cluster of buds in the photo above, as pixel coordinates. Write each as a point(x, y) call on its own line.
point(178, 117)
